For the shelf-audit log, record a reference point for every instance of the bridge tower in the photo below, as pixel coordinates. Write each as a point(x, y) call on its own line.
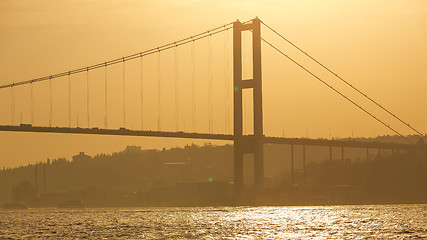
point(248, 144)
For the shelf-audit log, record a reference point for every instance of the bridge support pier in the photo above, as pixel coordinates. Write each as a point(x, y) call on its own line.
point(246, 144)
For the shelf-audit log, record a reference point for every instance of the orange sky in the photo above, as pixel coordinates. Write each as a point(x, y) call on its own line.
point(379, 46)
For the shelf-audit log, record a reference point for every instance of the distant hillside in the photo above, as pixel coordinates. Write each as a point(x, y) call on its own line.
point(135, 173)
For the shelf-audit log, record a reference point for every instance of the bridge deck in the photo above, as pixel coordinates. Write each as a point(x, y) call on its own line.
point(227, 137)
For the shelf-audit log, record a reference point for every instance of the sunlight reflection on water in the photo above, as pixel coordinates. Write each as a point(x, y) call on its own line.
point(331, 222)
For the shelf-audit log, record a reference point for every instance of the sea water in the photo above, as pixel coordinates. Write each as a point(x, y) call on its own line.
point(325, 222)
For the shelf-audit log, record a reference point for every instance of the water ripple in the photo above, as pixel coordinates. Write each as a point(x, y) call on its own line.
point(332, 222)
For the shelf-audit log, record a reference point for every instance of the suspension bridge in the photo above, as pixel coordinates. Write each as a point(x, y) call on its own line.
point(153, 105)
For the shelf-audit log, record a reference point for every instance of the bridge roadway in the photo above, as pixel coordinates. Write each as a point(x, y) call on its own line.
point(227, 137)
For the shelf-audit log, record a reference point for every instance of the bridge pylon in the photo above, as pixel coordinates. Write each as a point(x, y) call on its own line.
point(248, 144)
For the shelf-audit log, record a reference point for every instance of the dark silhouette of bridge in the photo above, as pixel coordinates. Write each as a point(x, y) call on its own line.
point(243, 144)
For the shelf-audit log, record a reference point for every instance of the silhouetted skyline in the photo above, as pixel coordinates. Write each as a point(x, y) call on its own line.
point(289, 110)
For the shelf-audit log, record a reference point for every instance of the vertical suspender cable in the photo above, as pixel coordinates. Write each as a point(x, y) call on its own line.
point(225, 81)
point(142, 94)
point(210, 82)
point(69, 100)
point(51, 102)
point(158, 93)
point(124, 95)
point(87, 96)
point(193, 87)
point(229, 85)
point(244, 75)
point(176, 90)
point(12, 105)
point(32, 103)
point(106, 96)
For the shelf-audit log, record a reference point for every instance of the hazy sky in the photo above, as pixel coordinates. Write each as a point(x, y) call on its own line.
point(379, 46)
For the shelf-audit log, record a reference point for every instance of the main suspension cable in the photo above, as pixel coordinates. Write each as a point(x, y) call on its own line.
point(335, 90)
point(346, 82)
point(129, 57)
